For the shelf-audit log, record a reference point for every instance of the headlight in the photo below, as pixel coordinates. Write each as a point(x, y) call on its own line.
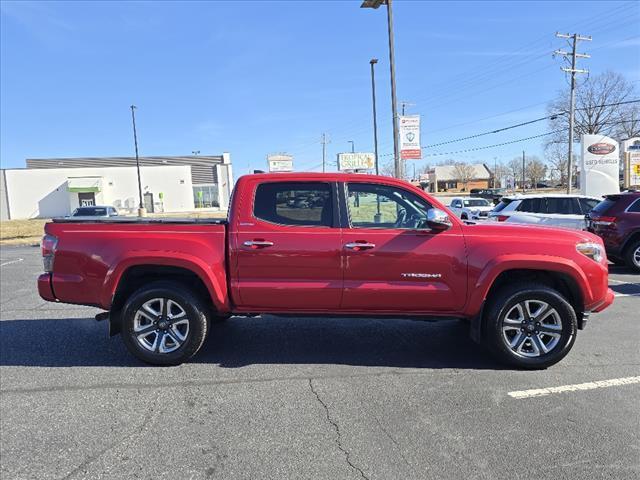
point(591, 250)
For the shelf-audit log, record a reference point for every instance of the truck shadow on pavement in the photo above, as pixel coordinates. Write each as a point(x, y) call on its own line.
point(269, 339)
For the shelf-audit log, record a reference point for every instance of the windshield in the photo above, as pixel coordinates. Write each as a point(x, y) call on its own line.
point(476, 202)
point(90, 212)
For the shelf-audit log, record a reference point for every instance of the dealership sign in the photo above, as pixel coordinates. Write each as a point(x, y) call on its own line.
point(599, 168)
point(280, 163)
point(631, 151)
point(410, 137)
point(356, 161)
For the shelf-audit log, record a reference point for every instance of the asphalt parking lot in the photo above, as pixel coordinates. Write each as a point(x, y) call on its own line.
point(318, 399)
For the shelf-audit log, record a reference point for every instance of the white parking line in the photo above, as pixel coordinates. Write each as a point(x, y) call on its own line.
point(626, 294)
point(11, 261)
point(541, 392)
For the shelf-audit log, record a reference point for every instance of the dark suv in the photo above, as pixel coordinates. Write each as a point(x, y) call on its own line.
point(616, 219)
point(493, 194)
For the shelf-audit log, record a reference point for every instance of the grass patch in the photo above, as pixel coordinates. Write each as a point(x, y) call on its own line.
point(21, 232)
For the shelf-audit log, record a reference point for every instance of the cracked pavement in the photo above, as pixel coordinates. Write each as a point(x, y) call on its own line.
point(278, 398)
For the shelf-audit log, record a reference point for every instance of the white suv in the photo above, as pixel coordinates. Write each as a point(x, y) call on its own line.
point(471, 208)
point(553, 210)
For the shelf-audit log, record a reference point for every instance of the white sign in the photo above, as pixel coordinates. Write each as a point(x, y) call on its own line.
point(599, 168)
point(410, 137)
point(631, 149)
point(280, 163)
point(356, 161)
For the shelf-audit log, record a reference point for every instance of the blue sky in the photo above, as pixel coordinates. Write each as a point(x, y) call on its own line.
point(253, 78)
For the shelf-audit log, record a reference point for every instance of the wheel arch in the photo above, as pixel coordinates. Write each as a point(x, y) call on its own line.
point(136, 275)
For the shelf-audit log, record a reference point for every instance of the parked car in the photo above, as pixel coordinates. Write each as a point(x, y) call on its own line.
point(471, 208)
point(566, 211)
point(493, 194)
point(525, 290)
point(616, 220)
point(95, 212)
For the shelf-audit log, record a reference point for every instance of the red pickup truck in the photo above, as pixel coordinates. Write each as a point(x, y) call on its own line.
point(328, 244)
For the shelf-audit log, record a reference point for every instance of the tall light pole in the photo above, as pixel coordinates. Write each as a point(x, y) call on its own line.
point(397, 162)
point(372, 62)
point(141, 210)
point(195, 152)
point(353, 145)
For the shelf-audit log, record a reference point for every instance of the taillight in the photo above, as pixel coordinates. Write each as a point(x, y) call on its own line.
point(49, 244)
point(502, 218)
point(609, 222)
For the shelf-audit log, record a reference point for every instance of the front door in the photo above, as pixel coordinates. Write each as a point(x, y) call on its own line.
point(392, 262)
point(288, 249)
point(148, 202)
point(87, 199)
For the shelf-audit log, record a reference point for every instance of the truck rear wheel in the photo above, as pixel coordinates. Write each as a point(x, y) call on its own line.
point(164, 323)
point(530, 326)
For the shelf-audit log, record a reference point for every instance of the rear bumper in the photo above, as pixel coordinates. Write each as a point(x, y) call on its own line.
point(608, 300)
point(45, 288)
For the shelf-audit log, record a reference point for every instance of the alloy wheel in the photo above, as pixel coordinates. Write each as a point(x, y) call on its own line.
point(160, 325)
point(532, 328)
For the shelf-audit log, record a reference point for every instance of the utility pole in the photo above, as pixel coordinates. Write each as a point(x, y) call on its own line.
point(523, 168)
point(324, 142)
point(397, 161)
point(353, 145)
point(495, 170)
point(372, 62)
point(141, 210)
point(575, 38)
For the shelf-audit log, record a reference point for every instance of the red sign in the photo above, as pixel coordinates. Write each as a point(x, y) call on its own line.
point(410, 154)
point(601, 148)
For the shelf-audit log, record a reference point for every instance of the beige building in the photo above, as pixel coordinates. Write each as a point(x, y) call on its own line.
point(445, 178)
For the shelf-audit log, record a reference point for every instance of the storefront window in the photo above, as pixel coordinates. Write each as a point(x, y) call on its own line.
point(205, 196)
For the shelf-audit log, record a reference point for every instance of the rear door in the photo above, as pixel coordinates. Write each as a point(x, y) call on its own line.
point(565, 212)
point(288, 247)
point(394, 264)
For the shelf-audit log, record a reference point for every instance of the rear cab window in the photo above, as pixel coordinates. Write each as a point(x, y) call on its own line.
point(309, 204)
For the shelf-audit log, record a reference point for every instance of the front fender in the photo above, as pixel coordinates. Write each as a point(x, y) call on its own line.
point(481, 283)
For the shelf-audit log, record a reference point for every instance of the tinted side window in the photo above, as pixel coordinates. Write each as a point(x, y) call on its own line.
point(289, 203)
point(563, 206)
point(503, 203)
point(587, 204)
point(634, 207)
point(532, 205)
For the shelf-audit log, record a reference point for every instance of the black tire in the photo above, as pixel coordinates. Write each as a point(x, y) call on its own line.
point(631, 255)
point(505, 302)
point(195, 315)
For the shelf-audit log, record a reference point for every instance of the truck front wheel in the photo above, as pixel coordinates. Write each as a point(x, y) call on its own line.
point(529, 326)
point(164, 323)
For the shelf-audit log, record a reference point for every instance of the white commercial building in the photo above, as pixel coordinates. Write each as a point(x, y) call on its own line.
point(55, 187)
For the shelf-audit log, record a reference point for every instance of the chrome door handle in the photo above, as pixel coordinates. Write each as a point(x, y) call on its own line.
point(360, 246)
point(258, 243)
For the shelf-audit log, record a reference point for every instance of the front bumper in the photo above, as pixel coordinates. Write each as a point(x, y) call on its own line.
point(45, 288)
point(608, 300)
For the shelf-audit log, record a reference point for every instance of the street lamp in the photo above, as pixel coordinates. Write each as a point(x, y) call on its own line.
point(397, 164)
point(195, 152)
point(353, 145)
point(141, 210)
point(372, 62)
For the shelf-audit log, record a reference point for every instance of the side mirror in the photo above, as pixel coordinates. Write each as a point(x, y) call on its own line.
point(438, 220)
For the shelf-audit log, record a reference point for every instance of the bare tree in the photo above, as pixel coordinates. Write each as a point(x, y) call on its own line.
point(535, 170)
point(629, 125)
point(515, 168)
point(599, 108)
point(463, 173)
point(387, 169)
point(500, 170)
